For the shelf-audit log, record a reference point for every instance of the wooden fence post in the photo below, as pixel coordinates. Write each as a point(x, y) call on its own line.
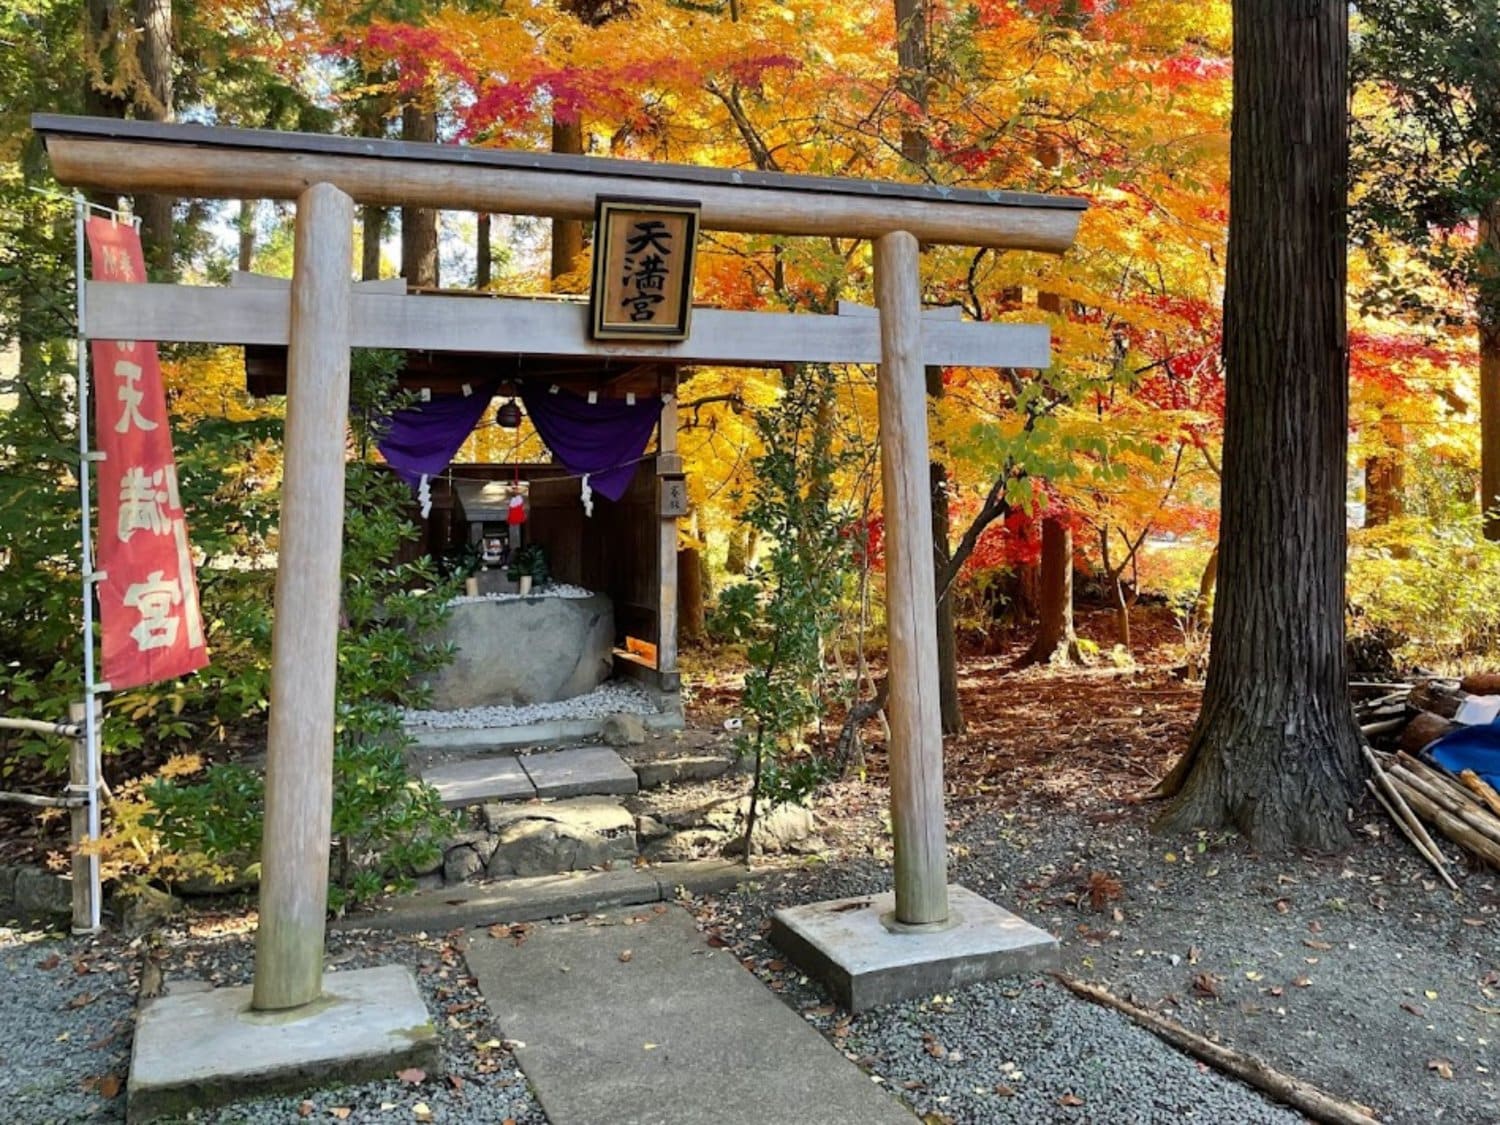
point(916, 745)
point(304, 639)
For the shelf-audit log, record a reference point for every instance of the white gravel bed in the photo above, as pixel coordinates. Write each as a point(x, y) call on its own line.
point(612, 698)
point(556, 590)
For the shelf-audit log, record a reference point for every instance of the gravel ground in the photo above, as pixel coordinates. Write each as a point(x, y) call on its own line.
point(1357, 974)
point(67, 1007)
point(480, 1080)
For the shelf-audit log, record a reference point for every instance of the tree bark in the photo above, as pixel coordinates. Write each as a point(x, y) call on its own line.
point(1385, 477)
point(690, 599)
point(1489, 376)
point(245, 224)
point(1055, 643)
point(947, 631)
point(1203, 604)
point(1276, 752)
point(372, 222)
point(914, 79)
point(154, 18)
point(419, 225)
point(483, 254)
point(567, 234)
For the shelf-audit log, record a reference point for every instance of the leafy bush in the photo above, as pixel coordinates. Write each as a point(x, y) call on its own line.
point(1435, 585)
point(193, 821)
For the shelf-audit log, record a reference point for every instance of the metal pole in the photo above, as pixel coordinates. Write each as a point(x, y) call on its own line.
point(90, 711)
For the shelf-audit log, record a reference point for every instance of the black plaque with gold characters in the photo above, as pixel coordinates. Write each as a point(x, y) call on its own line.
point(644, 250)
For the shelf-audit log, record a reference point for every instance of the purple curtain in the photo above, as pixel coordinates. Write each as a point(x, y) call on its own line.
point(604, 439)
point(424, 437)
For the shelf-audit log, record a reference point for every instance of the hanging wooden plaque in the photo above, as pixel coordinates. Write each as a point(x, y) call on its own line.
point(644, 251)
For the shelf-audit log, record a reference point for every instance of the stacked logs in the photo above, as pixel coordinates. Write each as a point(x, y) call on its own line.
point(1405, 719)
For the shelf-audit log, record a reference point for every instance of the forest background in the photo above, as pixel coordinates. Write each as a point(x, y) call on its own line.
point(1100, 474)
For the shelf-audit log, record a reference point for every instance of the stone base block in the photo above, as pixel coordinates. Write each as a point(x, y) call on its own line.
point(195, 1050)
point(849, 946)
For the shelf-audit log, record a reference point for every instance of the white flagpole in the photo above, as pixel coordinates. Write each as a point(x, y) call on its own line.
point(90, 706)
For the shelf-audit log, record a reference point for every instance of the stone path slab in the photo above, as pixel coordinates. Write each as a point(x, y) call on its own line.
point(578, 772)
point(646, 1024)
point(583, 771)
point(473, 781)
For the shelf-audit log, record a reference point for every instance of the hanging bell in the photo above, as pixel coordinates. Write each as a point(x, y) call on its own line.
point(508, 417)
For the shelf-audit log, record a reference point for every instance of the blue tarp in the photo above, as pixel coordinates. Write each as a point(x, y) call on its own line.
point(1471, 748)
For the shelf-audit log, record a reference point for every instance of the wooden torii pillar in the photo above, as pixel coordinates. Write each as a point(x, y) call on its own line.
point(327, 176)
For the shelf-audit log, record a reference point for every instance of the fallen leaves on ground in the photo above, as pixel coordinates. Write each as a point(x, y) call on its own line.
point(626, 954)
point(1070, 1099)
point(421, 1112)
point(411, 1076)
point(1206, 984)
point(1443, 1067)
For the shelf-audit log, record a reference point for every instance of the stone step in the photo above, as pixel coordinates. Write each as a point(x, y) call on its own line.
point(547, 896)
point(580, 771)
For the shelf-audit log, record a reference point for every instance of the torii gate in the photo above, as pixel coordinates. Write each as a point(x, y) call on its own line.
point(324, 315)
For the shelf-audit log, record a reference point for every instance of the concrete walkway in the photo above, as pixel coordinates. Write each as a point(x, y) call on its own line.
point(632, 1018)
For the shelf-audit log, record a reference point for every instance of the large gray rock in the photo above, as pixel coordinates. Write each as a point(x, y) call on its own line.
point(461, 863)
point(624, 730)
point(563, 836)
point(781, 829)
point(40, 894)
point(524, 650)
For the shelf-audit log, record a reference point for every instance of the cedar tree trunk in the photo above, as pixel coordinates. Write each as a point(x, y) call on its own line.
point(1275, 752)
point(1385, 477)
point(947, 631)
point(567, 234)
point(155, 22)
point(1489, 378)
point(419, 233)
point(1055, 641)
point(483, 253)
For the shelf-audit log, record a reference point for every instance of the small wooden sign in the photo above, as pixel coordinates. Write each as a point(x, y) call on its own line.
point(644, 250)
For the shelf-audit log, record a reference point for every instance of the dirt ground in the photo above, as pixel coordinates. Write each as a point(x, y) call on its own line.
point(1358, 972)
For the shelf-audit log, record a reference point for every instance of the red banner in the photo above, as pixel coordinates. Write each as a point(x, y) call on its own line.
point(148, 597)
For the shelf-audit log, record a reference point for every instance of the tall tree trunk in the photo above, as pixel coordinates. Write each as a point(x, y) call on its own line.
point(246, 227)
point(371, 231)
point(914, 80)
point(1275, 752)
point(947, 631)
point(419, 225)
point(1489, 375)
point(483, 253)
point(1203, 604)
point(690, 595)
point(567, 234)
point(1055, 642)
point(370, 119)
point(1385, 477)
point(154, 18)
